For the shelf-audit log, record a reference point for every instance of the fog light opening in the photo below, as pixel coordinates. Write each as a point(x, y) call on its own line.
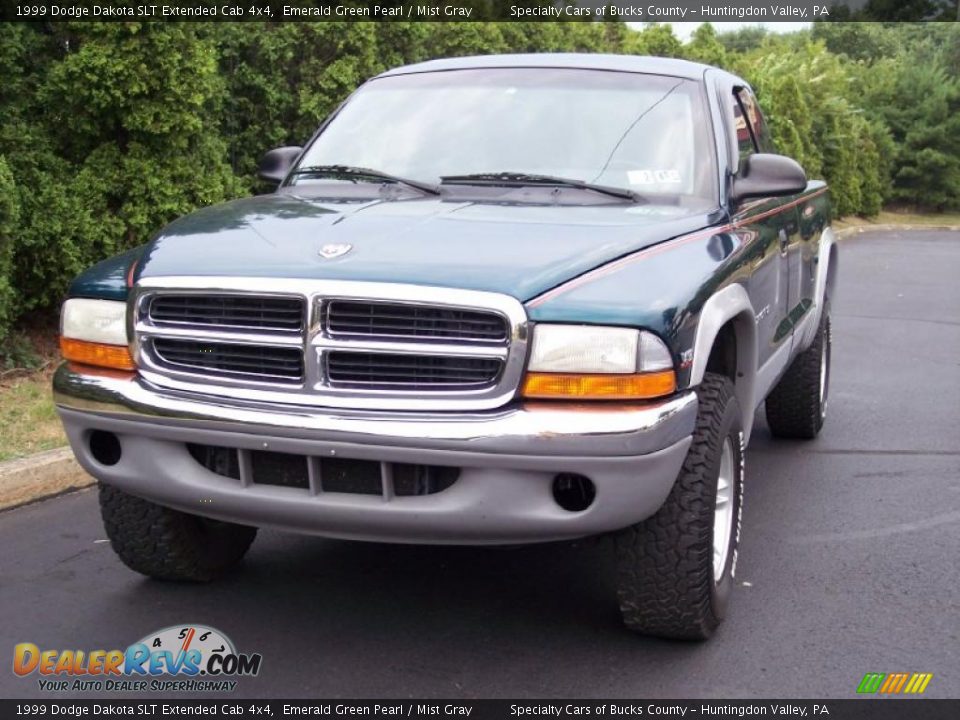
point(573, 492)
point(105, 447)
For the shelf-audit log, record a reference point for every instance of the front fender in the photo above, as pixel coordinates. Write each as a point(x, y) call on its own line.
point(731, 304)
point(685, 290)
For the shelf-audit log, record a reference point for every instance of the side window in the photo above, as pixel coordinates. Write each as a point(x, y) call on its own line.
point(755, 125)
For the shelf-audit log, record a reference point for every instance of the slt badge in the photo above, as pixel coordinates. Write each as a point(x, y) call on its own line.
point(333, 250)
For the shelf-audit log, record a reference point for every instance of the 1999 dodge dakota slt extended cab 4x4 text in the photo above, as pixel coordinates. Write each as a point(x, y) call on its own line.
point(494, 300)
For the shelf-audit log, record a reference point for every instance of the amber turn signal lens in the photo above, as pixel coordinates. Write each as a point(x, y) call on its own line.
point(599, 386)
point(99, 354)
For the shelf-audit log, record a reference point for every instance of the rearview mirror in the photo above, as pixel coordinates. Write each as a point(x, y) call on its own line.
point(275, 165)
point(766, 175)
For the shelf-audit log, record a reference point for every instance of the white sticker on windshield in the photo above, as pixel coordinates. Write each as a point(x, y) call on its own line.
point(654, 177)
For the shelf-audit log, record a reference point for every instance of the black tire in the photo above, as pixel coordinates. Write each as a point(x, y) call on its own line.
point(665, 568)
point(166, 544)
point(795, 407)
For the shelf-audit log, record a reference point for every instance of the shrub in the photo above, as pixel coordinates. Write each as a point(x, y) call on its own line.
point(9, 215)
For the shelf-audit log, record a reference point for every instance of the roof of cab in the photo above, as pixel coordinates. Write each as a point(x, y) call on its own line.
point(582, 61)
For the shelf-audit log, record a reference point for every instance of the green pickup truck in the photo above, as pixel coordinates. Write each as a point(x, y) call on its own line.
point(493, 300)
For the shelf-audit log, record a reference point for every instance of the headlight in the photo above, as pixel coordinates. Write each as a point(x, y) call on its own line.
point(584, 349)
point(588, 362)
point(94, 332)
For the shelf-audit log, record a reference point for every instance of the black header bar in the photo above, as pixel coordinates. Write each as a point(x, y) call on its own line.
point(472, 10)
point(863, 709)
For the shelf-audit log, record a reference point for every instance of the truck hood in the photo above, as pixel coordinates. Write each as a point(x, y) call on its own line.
point(517, 249)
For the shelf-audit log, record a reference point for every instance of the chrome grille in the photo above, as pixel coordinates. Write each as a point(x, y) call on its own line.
point(389, 320)
point(416, 372)
point(252, 361)
point(234, 311)
point(330, 343)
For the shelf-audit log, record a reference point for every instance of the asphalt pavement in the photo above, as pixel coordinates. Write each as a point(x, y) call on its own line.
point(850, 557)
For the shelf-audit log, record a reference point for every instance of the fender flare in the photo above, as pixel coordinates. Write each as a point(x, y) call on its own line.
point(730, 304)
point(828, 261)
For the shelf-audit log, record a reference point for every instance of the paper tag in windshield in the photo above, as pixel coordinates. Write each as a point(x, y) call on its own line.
point(654, 177)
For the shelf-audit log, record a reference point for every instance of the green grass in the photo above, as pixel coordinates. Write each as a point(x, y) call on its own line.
point(28, 421)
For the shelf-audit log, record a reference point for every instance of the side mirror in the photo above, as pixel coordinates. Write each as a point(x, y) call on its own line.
point(765, 175)
point(275, 165)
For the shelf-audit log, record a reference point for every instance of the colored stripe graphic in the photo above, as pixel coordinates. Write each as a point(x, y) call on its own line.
point(871, 682)
point(889, 683)
point(918, 683)
point(894, 683)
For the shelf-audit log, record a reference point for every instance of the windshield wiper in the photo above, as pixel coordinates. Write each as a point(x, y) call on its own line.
point(350, 172)
point(518, 179)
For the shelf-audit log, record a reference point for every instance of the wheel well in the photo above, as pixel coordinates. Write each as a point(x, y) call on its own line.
point(723, 354)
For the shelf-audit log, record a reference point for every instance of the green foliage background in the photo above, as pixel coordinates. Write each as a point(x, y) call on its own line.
point(111, 130)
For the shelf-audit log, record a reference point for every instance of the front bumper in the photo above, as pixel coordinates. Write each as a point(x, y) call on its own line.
point(508, 459)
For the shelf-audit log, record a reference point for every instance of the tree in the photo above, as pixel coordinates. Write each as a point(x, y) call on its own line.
point(920, 104)
point(705, 47)
point(56, 233)
point(857, 40)
point(9, 214)
point(655, 39)
point(743, 40)
point(128, 139)
point(806, 92)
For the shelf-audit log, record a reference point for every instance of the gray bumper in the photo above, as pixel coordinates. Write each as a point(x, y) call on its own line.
point(507, 459)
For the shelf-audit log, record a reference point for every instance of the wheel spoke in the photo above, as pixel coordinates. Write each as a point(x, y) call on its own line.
point(723, 510)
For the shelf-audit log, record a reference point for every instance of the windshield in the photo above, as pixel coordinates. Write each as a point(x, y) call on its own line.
point(645, 133)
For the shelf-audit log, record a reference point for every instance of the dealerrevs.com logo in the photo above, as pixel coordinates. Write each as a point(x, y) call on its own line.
point(178, 658)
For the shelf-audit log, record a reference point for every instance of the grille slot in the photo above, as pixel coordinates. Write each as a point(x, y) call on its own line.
point(423, 479)
point(388, 320)
point(358, 477)
point(279, 469)
point(279, 364)
point(220, 460)
point(411, 372)
point(334, 475)
point(249, 312)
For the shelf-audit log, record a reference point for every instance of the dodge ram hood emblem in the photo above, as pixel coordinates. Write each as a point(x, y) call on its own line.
point(333, 250)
